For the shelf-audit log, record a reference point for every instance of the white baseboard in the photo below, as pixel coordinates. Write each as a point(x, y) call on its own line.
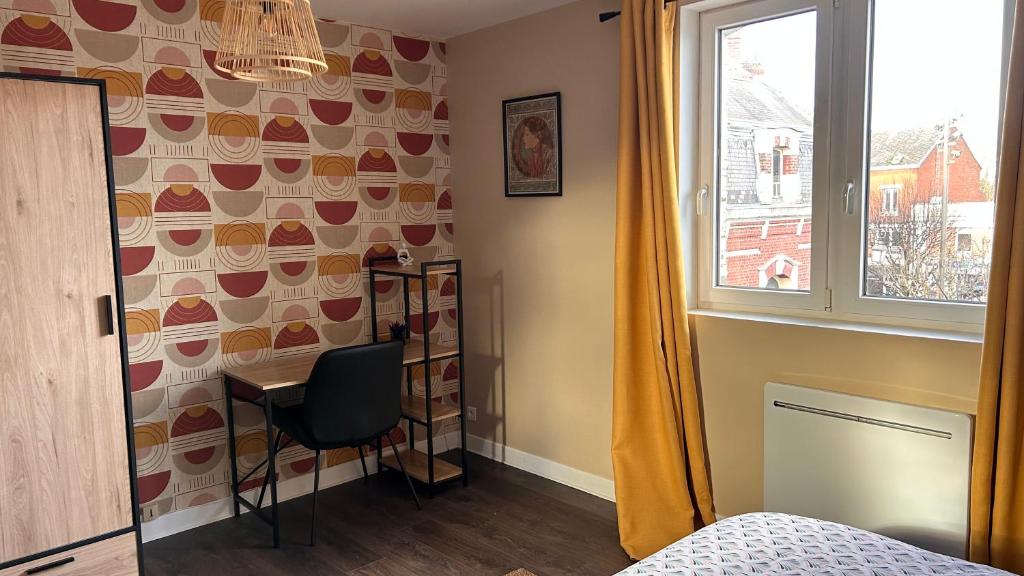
point(442, 443)
point(190, 518)
point(578, 479)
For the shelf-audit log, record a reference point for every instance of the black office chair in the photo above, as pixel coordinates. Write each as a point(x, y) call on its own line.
point(353, 398)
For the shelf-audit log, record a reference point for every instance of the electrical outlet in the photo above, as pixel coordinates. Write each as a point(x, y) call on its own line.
point(471, 413)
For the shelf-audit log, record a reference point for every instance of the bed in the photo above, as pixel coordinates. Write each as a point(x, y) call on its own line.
point(785, 545)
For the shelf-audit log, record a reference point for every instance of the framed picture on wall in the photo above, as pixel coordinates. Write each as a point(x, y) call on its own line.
point(533, 145)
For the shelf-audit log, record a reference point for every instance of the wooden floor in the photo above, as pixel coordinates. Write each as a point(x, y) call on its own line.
point(506, 519)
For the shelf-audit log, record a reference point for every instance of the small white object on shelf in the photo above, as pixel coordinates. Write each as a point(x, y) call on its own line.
point(403, 256)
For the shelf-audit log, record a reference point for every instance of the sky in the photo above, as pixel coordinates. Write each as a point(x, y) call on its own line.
point(932, 59)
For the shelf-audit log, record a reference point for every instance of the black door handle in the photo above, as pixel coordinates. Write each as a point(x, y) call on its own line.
point(108, 303)
point(54, 564)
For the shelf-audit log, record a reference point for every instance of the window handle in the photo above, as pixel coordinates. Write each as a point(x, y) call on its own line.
point(848, 198)
point(702, 197)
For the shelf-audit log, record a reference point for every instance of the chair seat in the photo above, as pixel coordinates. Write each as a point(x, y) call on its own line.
point(289, 418)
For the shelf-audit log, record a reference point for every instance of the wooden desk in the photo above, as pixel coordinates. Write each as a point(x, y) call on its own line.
point(414, 271)
point(294, 371)
point(258, 384)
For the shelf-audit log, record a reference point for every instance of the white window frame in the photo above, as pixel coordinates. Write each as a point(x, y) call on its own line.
point(838, 196)
point(711, 22)
point(854, 19)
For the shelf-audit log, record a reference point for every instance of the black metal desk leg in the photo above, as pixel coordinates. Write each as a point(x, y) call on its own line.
point(268, 412)
point(462, 374)
point(230, 409)
point(380, 469)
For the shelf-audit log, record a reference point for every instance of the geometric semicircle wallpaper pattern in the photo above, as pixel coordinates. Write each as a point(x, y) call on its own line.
point(247, 211)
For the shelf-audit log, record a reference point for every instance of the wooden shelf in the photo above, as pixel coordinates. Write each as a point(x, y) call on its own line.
point(415, 408)
point(416, 465)
point(414, 352)
point(414, 271)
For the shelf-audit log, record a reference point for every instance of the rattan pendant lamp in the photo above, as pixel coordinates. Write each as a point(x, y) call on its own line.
point(269, 41)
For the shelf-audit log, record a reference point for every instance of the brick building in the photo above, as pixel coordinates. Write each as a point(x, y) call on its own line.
point(765, 228)
point(908, 167)
point(765, 223)
point(907, 186)
point(767, 247)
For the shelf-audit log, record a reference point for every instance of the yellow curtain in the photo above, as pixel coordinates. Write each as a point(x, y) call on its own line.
point(661, 482)
point(997, 479)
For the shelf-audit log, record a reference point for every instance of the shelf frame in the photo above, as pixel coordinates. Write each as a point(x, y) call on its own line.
point(416, 463)
point(389, 266)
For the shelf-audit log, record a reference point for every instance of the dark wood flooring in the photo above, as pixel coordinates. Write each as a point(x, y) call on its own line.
point(506, 519)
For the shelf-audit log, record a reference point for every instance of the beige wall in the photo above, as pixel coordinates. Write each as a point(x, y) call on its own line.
point(538, 280)
point(738, 356)
point(538, 291)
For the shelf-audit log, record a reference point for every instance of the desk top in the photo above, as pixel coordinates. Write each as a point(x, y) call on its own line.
point(390, 268)
point(294, 370)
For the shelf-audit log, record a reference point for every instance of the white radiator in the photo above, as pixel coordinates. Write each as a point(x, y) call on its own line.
point(898, 470)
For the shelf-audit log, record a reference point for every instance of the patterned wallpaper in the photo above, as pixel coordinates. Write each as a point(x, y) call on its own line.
point(247, 212)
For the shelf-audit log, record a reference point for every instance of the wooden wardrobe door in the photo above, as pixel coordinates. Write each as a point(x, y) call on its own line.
point(64, 473)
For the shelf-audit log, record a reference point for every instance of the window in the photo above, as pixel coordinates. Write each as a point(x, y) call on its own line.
point(777, 175)
point(891, 199)
point(765, 161)
point(887, 237)
point(964, 242)
point(935, 126)
point(876, 204)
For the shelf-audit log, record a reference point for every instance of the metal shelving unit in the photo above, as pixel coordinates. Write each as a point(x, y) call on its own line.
point(426, 411)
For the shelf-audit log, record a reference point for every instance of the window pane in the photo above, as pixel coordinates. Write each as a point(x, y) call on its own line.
point(765, 149)
point(933, 132)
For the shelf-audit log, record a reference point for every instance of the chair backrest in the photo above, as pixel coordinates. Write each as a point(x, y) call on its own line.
point(354, 394)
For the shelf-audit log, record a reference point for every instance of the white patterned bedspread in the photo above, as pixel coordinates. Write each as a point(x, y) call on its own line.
point(784, 545)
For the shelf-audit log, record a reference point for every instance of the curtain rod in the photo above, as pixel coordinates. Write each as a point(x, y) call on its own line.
point(606, 16)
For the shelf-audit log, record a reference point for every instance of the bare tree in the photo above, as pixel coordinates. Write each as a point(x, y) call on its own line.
point(905, 237)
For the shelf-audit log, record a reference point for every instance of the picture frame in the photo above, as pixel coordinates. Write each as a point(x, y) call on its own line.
point(532, 133)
